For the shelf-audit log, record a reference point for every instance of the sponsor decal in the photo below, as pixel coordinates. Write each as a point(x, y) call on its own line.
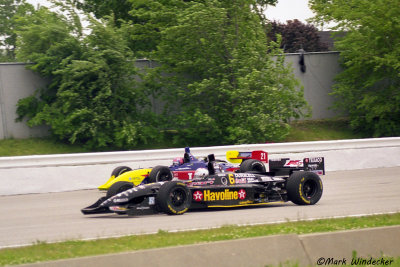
point(315, 160)
point(218, 196)
point(117, 208)
point(241, 180)
point(152, 200)
point(227, 194)
point(279, 159)
point(244, 175)
point(313, 166)
point(203, 183)
point(224, 181)
point(293, 163)
point(301, 191)
point(176, 211)
point(142, 208)
point(182, 169)
point(119, 200)
point(198, 196)
point(242, 194)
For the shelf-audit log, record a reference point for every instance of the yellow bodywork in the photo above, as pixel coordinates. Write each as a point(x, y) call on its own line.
point(135, 176)
point(232, 156)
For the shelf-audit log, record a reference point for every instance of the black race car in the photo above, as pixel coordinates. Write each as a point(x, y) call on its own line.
point(287, 180)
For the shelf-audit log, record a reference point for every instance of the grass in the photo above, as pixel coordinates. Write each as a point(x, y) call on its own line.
point(314, 130)
point(36, 146)
point(42, 251)
point(318, 130)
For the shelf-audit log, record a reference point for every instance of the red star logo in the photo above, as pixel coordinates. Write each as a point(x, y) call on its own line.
point(198, 196)
point(242, 194)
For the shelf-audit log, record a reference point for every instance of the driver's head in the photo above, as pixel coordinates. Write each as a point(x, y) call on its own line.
point(177, 161)
point(201, 173)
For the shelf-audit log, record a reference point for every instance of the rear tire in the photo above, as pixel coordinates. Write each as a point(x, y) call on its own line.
point(120, 170)
point(174, 198)
point(304, 188)
point(118, 187)
point(160, 174)
point(252, 165)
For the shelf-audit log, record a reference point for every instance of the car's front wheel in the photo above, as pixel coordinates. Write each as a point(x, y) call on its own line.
point(174, 198)
point(120, 170)
point(118, 187)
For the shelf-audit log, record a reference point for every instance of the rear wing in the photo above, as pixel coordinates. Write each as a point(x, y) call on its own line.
point(234, 156)
point(286, 165)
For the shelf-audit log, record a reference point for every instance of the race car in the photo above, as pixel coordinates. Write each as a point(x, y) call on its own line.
point(182, 168)
point(300, 184)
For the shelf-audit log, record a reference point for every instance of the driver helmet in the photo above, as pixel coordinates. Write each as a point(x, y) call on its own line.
point(177, 161)
point(201, 173)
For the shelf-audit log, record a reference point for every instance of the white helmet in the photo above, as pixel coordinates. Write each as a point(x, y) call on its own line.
point(201, 173)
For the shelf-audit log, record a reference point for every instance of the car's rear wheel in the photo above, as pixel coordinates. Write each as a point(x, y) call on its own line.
point(174, 198)
point(118, 187)
point(304, 188)
point(160, 174)
point(252, 165)
point(120, 170)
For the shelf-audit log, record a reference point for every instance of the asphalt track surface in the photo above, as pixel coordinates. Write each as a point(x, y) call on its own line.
point(53, 217)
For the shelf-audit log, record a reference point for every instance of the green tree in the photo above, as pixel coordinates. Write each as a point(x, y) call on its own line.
point(116, 8)
point(148, 18)
point(221, 83)
point(10, 10)
point(369, 86)
point(93, 98)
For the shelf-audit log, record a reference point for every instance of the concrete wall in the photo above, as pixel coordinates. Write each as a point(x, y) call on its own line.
point(69, 172)
point(17, 82)
point(321, 69)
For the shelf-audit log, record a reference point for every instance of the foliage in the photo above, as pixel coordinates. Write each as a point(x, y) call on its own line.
point(296, 35)
point(101, 9)
point(147, 19)
point(217, 81)
point(369, 86)
point(10, 10)
point(92, 98)
point(221, 84)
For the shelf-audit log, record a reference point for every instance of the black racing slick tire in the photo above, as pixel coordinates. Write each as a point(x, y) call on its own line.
point(304, 188)
point(118, 187)
point(252, 165)
point(160, 174)
point(120, 170)
point(174, 198)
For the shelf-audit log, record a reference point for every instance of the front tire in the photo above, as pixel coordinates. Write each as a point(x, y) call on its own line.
point(120, 170)
point(174, 198)
point(118, 187)
point(304, 188)
point(160, 174)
